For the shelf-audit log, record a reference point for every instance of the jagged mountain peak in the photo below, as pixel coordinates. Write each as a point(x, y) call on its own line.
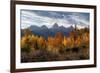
point(55, 25)
point(44, 26)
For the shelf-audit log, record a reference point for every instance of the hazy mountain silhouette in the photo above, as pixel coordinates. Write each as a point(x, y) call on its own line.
point(45, 31)
point(65, 31)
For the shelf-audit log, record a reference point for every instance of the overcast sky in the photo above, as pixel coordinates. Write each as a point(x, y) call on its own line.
point(48, 18)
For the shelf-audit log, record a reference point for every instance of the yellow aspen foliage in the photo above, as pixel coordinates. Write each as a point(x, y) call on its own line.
point(51, 41)
point(42, 43)
point(78, 41)
point(33, 42)
point(86, 38)
point(24, 41)
point(25, 44)
point(58, 39)
point(65, 42)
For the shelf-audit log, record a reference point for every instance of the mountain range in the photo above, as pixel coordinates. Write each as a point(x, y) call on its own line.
point(45, 31)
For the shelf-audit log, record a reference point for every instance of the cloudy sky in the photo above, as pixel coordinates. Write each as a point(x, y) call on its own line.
point(48, 18)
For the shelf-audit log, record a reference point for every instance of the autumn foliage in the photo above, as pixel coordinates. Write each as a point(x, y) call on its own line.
point(73, 47)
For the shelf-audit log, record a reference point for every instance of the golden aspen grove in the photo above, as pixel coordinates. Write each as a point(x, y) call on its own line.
point(36, 48)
